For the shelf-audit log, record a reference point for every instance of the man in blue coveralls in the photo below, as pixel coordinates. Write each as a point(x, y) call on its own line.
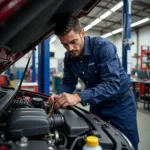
point(96, 63)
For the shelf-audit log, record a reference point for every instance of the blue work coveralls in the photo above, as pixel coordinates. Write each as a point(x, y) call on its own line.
point(107, 85)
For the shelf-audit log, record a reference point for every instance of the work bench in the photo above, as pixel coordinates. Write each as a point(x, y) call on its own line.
point(146, 95)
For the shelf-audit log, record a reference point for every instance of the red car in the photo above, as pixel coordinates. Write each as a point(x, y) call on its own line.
point(25, 122)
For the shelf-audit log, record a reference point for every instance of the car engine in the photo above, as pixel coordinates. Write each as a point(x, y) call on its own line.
point(27, 124)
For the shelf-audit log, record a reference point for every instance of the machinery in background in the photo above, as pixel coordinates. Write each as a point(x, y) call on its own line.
point(145, 57)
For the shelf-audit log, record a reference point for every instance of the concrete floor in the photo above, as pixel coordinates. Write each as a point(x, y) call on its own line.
point(143, 119)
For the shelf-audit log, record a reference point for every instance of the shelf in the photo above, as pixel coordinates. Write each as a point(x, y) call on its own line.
point(145, 68)
point(136, 56)
point(146, 62)
point(146, 53)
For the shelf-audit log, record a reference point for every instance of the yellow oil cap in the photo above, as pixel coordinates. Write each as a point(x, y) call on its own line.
point(92, 141)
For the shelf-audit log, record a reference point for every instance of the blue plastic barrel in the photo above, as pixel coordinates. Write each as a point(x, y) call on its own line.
point(19, 74)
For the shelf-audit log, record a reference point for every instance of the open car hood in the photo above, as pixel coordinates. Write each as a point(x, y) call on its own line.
point(25, 23)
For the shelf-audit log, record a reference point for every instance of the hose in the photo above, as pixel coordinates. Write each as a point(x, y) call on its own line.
point(65, 140)
point(21, 103)
point(75, 141)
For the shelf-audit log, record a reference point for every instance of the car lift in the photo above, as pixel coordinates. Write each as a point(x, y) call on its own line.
point(126, 36)
point(43, 67)
point(33, 67)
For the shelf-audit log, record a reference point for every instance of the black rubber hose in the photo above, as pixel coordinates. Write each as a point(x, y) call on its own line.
point(21, 103)
point(65, 140)
point(75, 141)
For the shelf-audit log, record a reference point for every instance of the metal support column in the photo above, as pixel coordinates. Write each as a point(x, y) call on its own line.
point(126, 38)
point(8, 74)
point(33, 67)
point(43, 67)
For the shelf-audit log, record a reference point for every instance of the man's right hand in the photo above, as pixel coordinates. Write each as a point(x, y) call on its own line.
point(51, 99)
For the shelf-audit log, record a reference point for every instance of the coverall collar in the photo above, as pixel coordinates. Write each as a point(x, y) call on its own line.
point(87, 48)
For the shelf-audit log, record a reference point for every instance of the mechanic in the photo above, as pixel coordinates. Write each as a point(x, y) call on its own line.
point(108, 88)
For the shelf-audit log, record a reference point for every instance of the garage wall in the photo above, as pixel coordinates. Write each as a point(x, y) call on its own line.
point(144, 39)
point(23, 61)
point(117, 40)
point(21, 64)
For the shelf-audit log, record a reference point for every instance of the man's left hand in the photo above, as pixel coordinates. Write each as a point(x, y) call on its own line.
point(65, 99)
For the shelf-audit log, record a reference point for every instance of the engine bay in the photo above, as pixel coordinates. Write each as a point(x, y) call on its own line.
point(27, 124)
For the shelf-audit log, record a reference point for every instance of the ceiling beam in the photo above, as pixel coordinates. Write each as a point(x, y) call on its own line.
point(114, 23)
point(134, 29)
point(135, 2)
point(100, 27)
point(101, 30)
point(118, 11)
point(106, 20)
point(112, 1)
point(119, 22)
point(141, 4)
point(143, 10)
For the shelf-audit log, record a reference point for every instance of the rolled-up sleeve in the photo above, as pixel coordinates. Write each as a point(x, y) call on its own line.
point(108, 64)
point(69, 81)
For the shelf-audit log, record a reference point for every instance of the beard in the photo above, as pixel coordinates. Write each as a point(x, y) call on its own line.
point(78, 53)
point(74, 53)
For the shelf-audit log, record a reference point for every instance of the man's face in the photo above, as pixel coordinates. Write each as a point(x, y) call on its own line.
point(73, 42)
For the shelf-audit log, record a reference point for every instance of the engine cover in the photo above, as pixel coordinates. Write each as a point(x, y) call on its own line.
point(74, 124)
point(28, 122)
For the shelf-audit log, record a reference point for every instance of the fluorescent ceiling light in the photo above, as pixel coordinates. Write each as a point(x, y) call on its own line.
point(117, 31)
point(105, 15)
point(87, 27)
point(53, 39)
point(121, 29)
point(115, 8)
point(107, 35)
point(140, 22)
point(96, 21)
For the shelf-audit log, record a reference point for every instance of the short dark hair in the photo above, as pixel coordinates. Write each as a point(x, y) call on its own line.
point(66, 24)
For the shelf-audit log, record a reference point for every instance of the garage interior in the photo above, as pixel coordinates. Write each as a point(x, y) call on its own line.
point(111, 28)
point(107, 20)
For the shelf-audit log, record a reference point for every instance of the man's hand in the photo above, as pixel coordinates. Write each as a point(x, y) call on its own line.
point(52, 98)
point(63, 100)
